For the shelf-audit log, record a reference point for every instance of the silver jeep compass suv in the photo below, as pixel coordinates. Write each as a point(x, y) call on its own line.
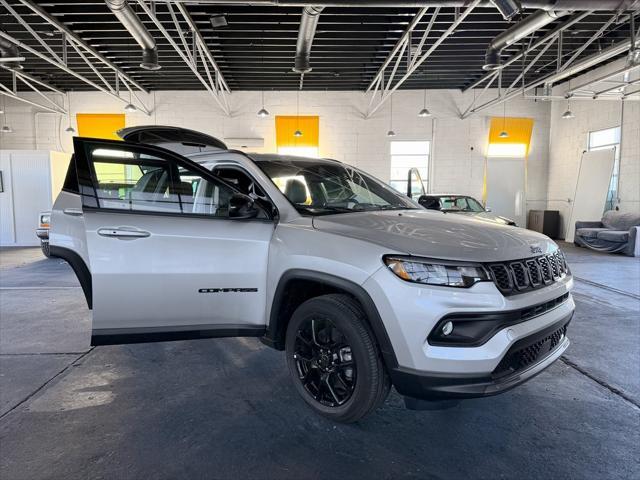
point(174, 237)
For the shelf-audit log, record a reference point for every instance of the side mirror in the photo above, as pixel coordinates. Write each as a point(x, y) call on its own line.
point(242, 207)
point(487, 209)
point(429, 203)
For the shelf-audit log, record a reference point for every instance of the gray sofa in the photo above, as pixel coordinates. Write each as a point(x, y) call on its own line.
point(616, 232)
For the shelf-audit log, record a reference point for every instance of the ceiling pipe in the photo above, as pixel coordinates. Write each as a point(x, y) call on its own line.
point(531, 24)
point(575, 5)
point(122, 10)
point(308, 24)
point(589, 62)
point(9, 50)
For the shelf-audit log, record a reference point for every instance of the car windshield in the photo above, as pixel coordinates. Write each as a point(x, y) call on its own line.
point(321, 187)
point(460, 204)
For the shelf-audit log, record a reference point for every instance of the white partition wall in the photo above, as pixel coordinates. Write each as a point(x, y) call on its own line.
point(591, 188)
point(506, 188)
point(31, 181)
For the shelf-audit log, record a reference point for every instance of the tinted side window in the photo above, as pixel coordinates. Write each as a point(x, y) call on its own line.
point(203, 196)
point(71, 180)
point(124, 179)
point(128, 181)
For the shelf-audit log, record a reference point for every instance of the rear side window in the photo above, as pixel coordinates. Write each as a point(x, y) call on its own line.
point(71, 180)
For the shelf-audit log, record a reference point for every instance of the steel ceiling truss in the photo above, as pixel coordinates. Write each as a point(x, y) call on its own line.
point(50, 105)
point(100, 66)
point(383, 86)
point(193, 50)
point(616, 89)
point(563, 70)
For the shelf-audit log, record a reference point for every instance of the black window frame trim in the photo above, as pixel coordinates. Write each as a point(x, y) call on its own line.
point(85, 177)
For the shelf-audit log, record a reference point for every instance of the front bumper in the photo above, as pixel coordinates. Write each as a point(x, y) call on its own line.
point(42, 233)
point(416, 384)
point(435, 371)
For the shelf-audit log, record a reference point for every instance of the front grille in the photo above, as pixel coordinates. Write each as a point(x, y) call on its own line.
point(528, 274)
point(522, 356)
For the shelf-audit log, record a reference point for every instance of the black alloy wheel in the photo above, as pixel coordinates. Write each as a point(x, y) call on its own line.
point(324, 361)
point(334, 360)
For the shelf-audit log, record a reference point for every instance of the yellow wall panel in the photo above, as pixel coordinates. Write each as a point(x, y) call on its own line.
point(100, 125)
point(518, 129)
point(309, 125)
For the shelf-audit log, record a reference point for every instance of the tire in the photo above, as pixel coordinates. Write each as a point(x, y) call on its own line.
point(319, 365)
point(46, 250)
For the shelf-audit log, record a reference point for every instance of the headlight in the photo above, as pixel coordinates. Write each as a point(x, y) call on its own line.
point(433, 272)
point(44, 220)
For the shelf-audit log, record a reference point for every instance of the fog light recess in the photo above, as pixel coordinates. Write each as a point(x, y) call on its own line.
point(447, 328)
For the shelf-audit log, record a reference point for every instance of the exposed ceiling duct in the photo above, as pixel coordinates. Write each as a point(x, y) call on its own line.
point(122, 10)
point(308, 24)
point(520, 30)
point(575, 5)
point(9, 50)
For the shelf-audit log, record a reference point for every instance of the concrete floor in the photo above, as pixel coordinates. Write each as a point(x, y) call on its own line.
point(225, 408)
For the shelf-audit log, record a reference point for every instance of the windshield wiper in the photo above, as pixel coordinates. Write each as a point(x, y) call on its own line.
point(330, 208)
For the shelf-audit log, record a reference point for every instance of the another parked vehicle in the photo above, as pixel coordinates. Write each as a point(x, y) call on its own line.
point(359, 285)
point(462, 204)
point(42, 232)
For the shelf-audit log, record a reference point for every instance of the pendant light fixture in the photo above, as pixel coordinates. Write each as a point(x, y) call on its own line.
point(5, 128)
point(391, 133)
point(503, 133)
point(130, 107)
point(568, 114)
point(69, 128)
point(263, 112)
point(424, 112)
point(298, 132)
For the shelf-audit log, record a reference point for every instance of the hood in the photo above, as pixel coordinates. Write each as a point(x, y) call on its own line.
point(488, 217)
point(434, 234)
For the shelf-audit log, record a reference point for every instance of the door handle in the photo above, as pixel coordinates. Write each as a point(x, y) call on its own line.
point(122, 233)
point(74, 212)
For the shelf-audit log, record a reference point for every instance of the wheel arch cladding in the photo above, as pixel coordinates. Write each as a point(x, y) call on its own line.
point(298, 285)
point(79, 268)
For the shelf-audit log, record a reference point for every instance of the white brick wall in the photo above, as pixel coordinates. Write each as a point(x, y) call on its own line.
point(458, 145)
point(569, 138)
